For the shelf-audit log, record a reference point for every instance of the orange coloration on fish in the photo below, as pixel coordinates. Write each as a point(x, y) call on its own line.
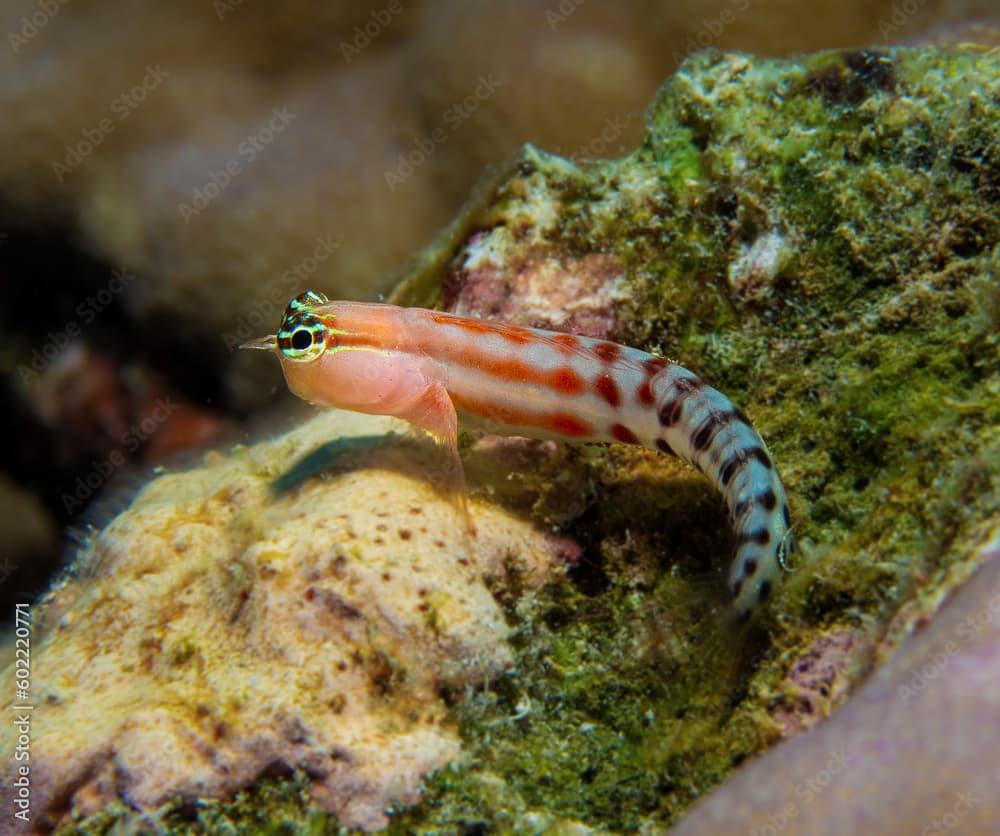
point(430, 368)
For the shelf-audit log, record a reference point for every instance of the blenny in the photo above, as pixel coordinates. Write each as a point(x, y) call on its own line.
point(429, 368)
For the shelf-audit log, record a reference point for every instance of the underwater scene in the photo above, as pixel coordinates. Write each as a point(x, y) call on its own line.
point(530, 417)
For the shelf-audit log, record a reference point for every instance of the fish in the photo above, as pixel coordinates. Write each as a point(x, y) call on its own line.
point(432, 369)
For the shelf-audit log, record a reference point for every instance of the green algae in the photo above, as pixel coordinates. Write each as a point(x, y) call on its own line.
point(821, 240)
point(861, 339)
point(274, 807)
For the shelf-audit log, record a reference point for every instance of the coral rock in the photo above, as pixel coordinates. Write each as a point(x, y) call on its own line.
point(214, 632)
point(911, 753)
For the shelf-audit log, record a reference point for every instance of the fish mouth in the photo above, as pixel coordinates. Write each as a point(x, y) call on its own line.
point(268, 343)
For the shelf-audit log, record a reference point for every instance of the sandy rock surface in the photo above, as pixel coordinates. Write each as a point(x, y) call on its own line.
point(215, 632)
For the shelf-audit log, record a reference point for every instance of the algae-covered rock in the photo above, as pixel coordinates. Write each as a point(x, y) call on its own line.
point(817, 238)
point(913, 752)
point(820, 240)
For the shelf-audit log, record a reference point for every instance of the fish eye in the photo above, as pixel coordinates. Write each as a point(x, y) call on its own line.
point(302, 337)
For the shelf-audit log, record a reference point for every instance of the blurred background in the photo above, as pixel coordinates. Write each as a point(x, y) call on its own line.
point(171, 174)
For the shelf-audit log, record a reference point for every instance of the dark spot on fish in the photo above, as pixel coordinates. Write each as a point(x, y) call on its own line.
point(749, 567)
point(737, 587)
point(608, 389)
point(767, 500)
point(729, 470)
point(515, 335)
point(405, 534)
point(566, 424)
point(761, 537)
point(622, 433)
point(703, 436)
point(652, 366)
point(608, 352)
point(765, 591)
point(684, 387)
point(670, 413)
point(760, 454)
point(663, 447)
point(687, 385)
point(566, 381)
point(739, 415)
point(566, 343)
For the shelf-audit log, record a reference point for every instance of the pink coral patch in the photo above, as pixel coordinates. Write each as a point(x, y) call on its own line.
point(578, 295)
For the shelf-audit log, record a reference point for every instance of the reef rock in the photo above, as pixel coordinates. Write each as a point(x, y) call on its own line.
point(819, 239)
point(912, 752)
point(216, 631)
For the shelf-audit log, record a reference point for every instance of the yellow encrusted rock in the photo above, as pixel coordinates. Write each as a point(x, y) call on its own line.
point(220, 628)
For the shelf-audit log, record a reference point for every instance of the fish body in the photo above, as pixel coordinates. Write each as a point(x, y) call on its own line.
point(430, 368)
